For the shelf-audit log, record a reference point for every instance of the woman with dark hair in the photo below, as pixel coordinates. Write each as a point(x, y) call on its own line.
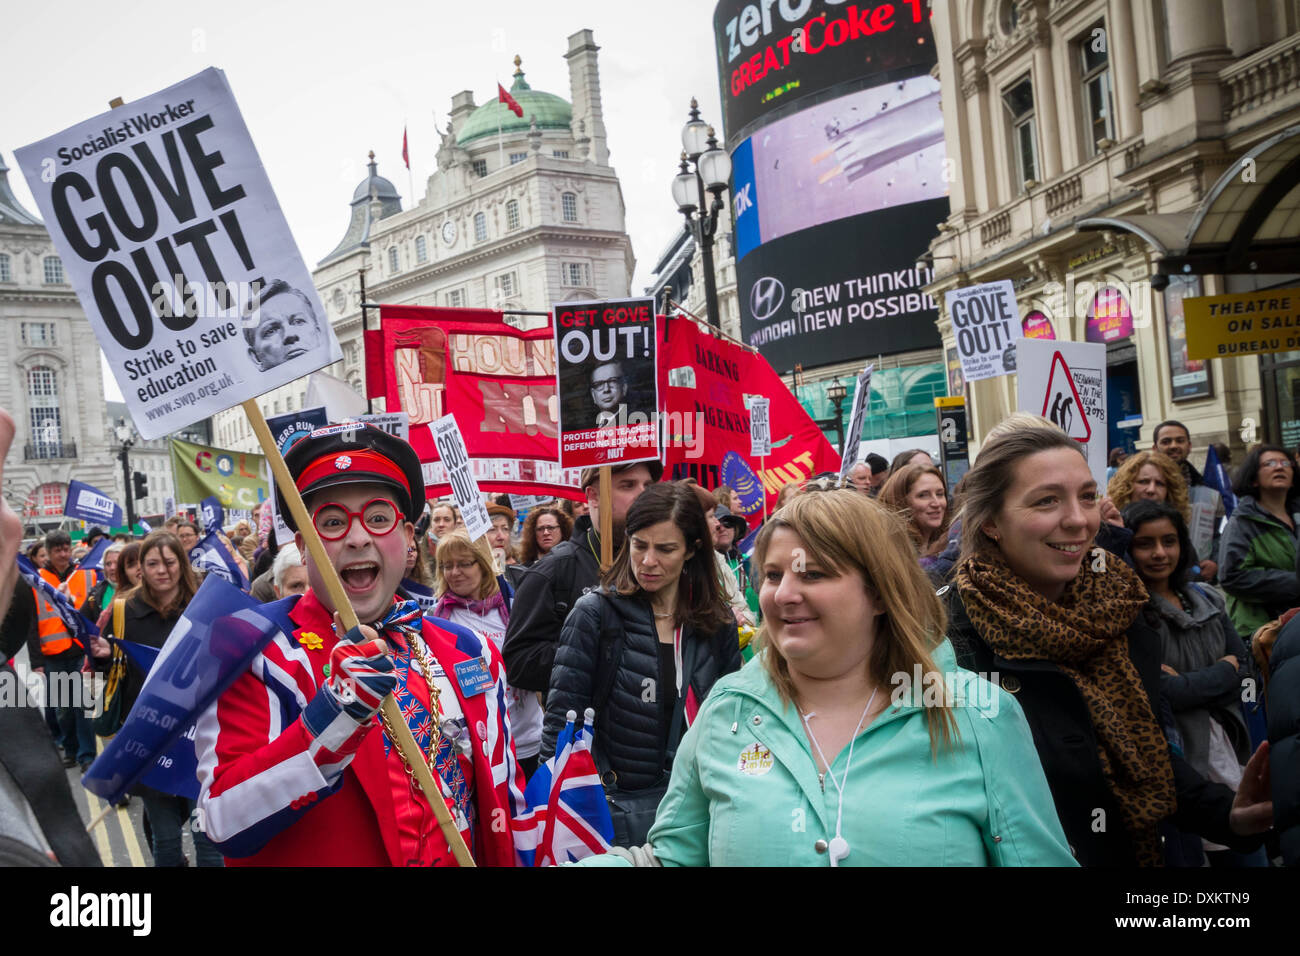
point(913, 456)
point(644, 651)
point(1203, 661)
point(1257, 554)
point(1060, 620)
point(916, 492)
point(544, 528)
point(129, 571)
point(149, 613)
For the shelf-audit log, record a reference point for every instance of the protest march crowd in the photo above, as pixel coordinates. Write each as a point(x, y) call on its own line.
point(1039, 670)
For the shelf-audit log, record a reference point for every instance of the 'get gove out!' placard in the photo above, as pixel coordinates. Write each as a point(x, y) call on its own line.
point(174, 242)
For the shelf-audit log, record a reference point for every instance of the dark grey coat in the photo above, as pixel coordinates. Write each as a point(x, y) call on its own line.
point(630, 729)
point(1206, 687)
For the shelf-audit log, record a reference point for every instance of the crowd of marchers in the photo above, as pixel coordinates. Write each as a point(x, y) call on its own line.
point(1111, 695)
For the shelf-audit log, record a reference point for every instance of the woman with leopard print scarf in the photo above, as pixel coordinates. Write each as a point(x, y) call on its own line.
point(1037, 608)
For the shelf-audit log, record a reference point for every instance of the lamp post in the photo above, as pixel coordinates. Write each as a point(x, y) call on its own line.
point(704, 167)
point(836, 392)
point(126, 437)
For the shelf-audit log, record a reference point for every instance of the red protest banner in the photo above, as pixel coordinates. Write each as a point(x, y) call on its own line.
point(498, 381)
point(703, 385)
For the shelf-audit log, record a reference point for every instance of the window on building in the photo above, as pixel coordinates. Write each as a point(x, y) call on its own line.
point(517, 158)
point(46, 417)
point(38, 333)
point(53, 270)
point(512, 214)
point(392, 259)
point(560, 153)
point(480, 227)
point(49, 498)
point(421, 249)
point(6, 274)
point(1019, 101)
point(480, 168)
point(569, 206)
point(1097, 96)
point(506, 285)
point(576, 273)
point(455, 299)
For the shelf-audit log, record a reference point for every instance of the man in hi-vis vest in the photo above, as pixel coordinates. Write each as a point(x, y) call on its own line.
point(63, 656)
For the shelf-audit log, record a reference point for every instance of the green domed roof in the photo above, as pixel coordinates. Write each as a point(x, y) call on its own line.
point(550, 111)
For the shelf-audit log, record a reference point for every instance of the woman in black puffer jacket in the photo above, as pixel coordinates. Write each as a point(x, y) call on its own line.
point(645, 649)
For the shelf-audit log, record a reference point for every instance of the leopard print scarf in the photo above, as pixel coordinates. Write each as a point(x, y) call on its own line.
point(1084, 634)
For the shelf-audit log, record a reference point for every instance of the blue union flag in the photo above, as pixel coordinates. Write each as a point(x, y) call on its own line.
point(214, 642)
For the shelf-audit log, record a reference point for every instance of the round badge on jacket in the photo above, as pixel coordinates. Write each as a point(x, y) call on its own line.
point(755, 760)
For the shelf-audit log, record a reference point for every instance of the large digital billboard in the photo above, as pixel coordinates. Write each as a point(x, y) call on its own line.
point(835, 197)
point(773, 51)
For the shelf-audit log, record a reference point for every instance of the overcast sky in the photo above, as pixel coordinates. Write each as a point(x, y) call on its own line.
point(322, 83)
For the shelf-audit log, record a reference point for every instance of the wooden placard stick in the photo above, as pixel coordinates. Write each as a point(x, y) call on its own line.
point(405, 741)
point(606, 518)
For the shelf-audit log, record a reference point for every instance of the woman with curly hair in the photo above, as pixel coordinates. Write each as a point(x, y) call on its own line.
point(1150, 476)
point(544, 528)
point(917, 493)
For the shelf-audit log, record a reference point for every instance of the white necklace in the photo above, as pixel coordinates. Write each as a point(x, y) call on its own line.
point(839, 847)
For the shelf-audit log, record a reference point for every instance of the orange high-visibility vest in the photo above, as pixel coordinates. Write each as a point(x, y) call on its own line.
point(80, 584)
point(54, 634)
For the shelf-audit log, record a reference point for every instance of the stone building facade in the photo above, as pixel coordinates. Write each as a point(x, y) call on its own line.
point(522, 212)
point(52, 383)
point(1083, 134)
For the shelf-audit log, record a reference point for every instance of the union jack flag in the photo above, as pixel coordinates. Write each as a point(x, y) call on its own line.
point(567, 802)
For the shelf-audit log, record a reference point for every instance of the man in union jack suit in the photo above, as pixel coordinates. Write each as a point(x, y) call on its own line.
point(295, 763)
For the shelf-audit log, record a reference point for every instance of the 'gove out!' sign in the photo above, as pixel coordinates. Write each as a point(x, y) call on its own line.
point(1241, 324)
point(986, 325)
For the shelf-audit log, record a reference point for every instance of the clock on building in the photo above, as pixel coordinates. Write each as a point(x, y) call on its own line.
point(449, 232)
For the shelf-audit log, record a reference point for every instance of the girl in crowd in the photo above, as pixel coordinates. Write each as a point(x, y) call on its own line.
point(101, 595)
point(913, 456)
point(1059, 620)
point(917, 493)
point(645, 651)
point(1149, 476)
point(1113, 461)
point(940, 779)
point(1203, 661)
point(128, 566)
point(443, 517)
point(1257, 556)
point(468, 594)
point(152, 610)
point(544, 528)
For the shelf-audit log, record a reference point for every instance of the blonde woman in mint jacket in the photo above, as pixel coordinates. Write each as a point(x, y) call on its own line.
point(853, 739)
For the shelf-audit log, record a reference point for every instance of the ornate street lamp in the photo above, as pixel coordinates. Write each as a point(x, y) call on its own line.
point(705, 166)
point(126, 438)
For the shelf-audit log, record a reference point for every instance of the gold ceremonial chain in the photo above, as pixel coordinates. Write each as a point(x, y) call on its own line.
point(434, 696)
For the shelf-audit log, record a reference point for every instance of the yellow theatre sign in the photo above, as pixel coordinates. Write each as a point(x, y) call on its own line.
point(1219, 326)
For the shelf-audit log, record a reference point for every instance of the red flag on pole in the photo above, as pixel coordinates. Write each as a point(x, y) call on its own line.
point(510, 101)
point(406, 157)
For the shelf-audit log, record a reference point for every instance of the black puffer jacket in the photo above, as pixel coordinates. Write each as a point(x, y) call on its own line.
point(1067, 746)
point(630, 729)
point(1284, 738)
point(545, 593)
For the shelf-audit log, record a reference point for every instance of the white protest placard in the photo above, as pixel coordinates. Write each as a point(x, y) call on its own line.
point(986, 324)
point(524, 502)
point(174, 242)
point(1065, 382)
point(396, 424)
point(852, 437)
point(1204, 504)
point(760, 428)
point(451, 450)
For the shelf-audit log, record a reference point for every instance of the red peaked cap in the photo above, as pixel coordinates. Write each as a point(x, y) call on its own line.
point(352, 453)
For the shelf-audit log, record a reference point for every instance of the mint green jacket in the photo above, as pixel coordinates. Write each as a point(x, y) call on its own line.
point(745, 792)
